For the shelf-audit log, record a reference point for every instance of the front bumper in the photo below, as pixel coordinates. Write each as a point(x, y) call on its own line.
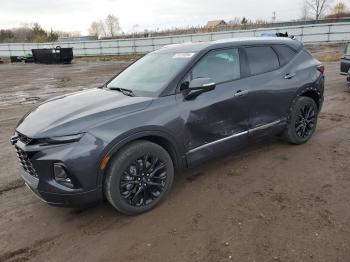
point(76, 200)
point(81, 162)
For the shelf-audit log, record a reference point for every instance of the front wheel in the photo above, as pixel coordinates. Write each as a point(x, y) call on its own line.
point(139, 177)
point(302, 121)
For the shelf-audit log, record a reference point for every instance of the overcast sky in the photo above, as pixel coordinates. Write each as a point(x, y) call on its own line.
point(77, 15)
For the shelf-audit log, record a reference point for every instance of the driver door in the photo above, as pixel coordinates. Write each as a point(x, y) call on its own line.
point(216, 121)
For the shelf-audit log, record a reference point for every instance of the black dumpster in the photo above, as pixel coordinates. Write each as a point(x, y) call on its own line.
point(56, 55)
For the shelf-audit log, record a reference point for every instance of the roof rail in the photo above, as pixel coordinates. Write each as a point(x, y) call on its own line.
point(277, 35)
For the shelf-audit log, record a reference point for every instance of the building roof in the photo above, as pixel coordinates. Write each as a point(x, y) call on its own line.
point(215, 23)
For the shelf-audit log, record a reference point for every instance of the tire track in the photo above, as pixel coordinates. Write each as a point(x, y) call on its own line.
point(11, 186)
point(29, 252)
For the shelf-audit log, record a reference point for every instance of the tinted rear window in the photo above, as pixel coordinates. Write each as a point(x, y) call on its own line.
point(262, 59)
point(285, 53)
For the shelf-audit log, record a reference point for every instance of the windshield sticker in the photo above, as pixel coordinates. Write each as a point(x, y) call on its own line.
point(183, 55)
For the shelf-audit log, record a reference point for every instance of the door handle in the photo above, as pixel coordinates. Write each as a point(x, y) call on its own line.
point(289, 75)
point(241, 93)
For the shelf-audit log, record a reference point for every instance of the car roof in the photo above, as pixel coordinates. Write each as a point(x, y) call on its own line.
point(199, 46)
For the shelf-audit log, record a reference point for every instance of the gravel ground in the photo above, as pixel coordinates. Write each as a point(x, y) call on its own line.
point(270, 202)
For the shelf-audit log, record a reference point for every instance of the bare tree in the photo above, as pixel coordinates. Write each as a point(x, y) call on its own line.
point(305, 12)
point(28, 33)
point(68, 33)
point(235, 21)
point(112, 25)
point(339, 8)
point(260, 22)
point(97, 29)
point(317, 7)
point(109, 27)
point(244, 21)
point(23, 33)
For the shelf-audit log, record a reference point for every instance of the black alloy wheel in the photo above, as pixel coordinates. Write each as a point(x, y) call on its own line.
point(302, 121)
point(143, 180)
point(305, 123)
point(138, 177)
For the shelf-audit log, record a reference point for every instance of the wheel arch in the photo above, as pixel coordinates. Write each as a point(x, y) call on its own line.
point(161, 138)
point(314, 94)
point(308, 91)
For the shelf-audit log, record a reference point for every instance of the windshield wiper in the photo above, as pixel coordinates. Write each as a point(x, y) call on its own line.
point(125, 91)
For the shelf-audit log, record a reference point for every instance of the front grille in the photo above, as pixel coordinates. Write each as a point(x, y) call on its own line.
point(25, 162)
point(23, 138)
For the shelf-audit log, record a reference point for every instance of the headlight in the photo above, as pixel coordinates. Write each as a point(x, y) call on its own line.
point(61, 139)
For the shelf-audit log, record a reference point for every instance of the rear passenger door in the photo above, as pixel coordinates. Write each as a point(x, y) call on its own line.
point(270, 85)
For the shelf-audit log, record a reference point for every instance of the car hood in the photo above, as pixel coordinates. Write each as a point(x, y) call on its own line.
point(76, 112)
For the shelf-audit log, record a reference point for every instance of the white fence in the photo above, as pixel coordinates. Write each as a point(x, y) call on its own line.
point(334, 32)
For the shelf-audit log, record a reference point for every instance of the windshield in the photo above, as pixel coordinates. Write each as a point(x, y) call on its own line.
point(151, 74)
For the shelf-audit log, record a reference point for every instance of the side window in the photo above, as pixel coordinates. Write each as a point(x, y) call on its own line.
point(285, 53)
point(219, 65)
point(261, 59)
point(347, 51)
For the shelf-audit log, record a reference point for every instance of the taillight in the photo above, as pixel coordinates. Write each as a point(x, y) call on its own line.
point(321, 68)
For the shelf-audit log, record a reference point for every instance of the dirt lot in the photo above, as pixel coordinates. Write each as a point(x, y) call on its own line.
point(271, 202)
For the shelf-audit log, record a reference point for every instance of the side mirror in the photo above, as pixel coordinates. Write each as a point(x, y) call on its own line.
point(198, 86)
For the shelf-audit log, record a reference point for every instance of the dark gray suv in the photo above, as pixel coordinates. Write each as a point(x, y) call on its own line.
point(172, 109)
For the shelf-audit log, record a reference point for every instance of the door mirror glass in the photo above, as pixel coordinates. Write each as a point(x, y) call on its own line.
point(198, 86)
point(203, 83)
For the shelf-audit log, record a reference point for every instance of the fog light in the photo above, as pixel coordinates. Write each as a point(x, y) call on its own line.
point(61, 176)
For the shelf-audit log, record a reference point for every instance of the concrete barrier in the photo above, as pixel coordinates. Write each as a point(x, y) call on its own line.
point(316, 33)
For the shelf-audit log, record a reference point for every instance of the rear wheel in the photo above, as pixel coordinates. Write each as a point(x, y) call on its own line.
point(139, 177)
point(302, 121)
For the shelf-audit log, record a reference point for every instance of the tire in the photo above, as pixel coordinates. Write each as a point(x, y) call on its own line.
point(302, 121)
point(131, 186)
